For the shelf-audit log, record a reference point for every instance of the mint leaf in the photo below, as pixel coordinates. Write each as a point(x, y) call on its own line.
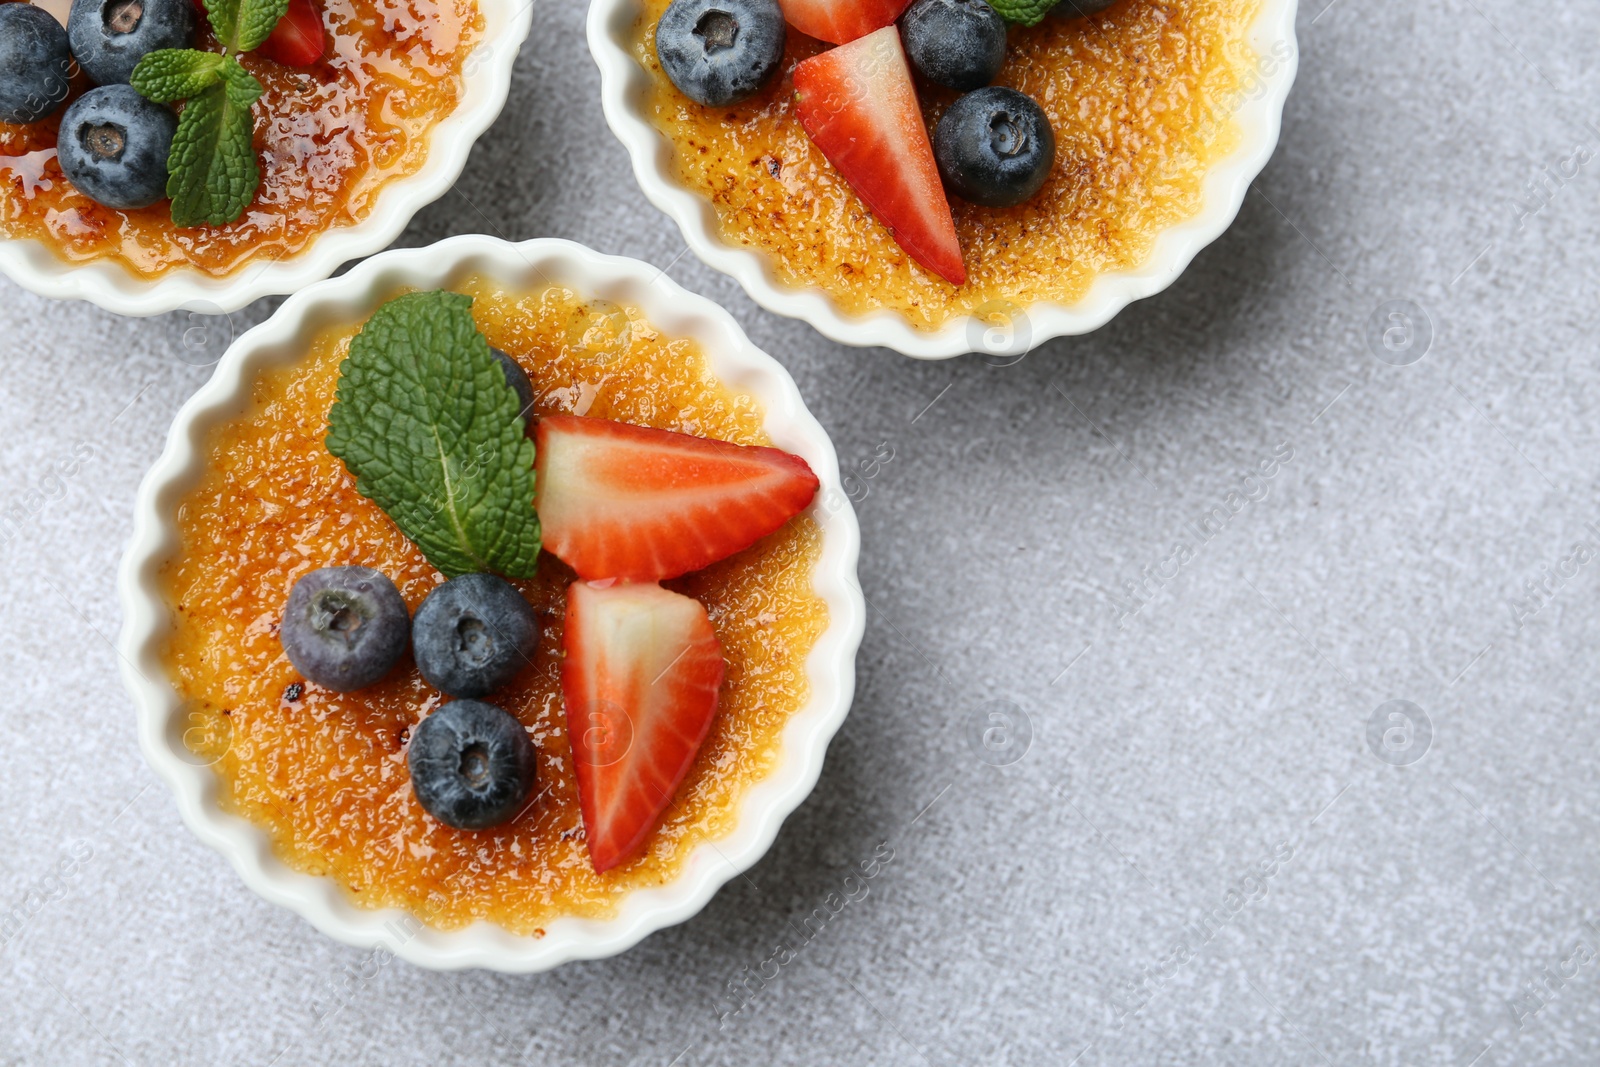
point(425, 421)
point(213, 174)
point(224, 18)
point(212, 171)
point(242, 87)
point(171, 74)
point(242, 25)
point(1022, 12)
point(257, 20)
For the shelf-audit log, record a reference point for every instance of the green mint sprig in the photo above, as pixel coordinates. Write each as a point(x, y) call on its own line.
point(426, 422)
point(1023, 12)
point(244, 25)
point(212, 169)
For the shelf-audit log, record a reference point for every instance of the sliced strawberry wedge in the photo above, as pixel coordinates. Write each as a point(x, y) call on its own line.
point(859, 106)
point(640, 678)
point(841, 21)
point(630, 502)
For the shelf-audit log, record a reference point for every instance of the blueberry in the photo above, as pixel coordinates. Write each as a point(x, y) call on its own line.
point(960, 44)
point(517, 378)
point(344, 627)
point(35, 64)
point(473, 634)
point(113, 147)
point(718, 52)
point(995, 147)
point(472, 765)
point(109, 37)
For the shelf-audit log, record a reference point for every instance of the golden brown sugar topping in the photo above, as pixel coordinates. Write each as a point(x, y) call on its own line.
point(325, 774)
point(327, 137)
point(1141, 99)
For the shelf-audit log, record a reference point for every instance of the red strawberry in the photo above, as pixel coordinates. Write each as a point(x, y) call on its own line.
point(297, 40)
point(629, 502)
point(640, 678)
point(841, 21)
point(859, 106)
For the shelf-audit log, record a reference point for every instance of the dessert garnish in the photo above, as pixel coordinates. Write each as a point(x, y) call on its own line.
point(721, 51)
point(297, 40)
point(995, 147)
point(35, 64)
point(517, 378)
point(473, 634)
point(959, 44)
point(212, 164)
point(858, 101)
point(841, 21)
point(859, 106)
point(640, 678)
point(115, 145)
point(110, 37)
point(344, 627)
point(427, 423)
point(472, 765)
point(433, 424)
point(121, 146)
point(641, 505)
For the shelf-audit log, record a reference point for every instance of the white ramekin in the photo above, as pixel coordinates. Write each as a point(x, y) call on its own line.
point(1009, 330)
point(283, 340)
point(486, 78)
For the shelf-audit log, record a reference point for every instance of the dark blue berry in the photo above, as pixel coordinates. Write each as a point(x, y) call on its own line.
point(472, 765)
point(113, 147)
point(718, 52)
point(344, 627)
point(995, 147)
point(960, 44)
point(109, 37)
point(35, 64)
point(517, 378)
point(473, 634)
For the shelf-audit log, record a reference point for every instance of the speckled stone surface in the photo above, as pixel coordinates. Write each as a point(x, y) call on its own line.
point(1212, 842)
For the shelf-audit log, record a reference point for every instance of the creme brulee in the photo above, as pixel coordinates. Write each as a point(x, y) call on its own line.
point(1141, 98)
point(327, 139)
point(325, 773)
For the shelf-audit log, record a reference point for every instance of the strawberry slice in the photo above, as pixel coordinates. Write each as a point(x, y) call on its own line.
point(841, 21)
point(297, 40)
point(630, 502)
point(859, 106)
point(640, 677)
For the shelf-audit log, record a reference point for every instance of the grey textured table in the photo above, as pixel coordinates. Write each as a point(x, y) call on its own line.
point(1213, 843)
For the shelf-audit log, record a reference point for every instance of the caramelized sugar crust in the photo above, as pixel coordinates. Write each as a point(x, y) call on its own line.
point(325, 774)
point(1141, 98)
point(327, 139)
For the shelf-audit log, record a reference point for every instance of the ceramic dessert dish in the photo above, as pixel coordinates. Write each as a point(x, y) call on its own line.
point(492, 605)
point(1065, 164)
point(237, 164)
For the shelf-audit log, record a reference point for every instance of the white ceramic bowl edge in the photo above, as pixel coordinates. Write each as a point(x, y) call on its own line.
point(281, 340)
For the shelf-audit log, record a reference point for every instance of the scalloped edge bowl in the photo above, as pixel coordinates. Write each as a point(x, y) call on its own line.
point(1259, 116)
point(114, 286)
point(283, 340)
